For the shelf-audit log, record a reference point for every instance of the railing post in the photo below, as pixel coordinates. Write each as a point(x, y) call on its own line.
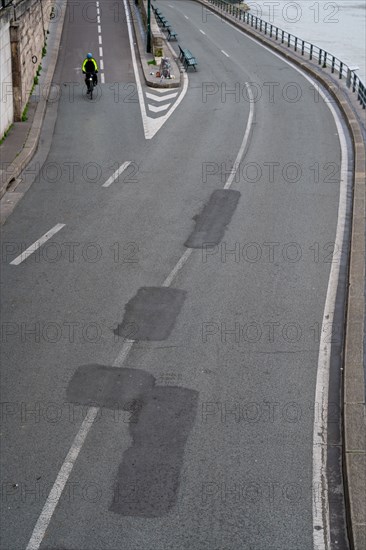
point(265, 28)
point(320, 57)
point(333, 63)
point(289, 40)
point(325, 60)
point(283, 37)
point(340, 69)
point(295, 43)
point(303, 47)
point(311, 51)
point(276, 33)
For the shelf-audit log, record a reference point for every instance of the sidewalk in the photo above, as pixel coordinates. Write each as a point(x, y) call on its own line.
point(21, 143)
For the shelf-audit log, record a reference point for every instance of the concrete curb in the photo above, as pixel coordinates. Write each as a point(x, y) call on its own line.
point(31, 144)
point(354, 413)
point(176, 83)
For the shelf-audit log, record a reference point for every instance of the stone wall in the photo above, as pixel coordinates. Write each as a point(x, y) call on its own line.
point(25, 26)
point(6, 91)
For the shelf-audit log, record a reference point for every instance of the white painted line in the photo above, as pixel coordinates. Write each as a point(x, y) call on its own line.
point(61, 480)
point(321, 537)
point(151, 125)
point(99, 29)
point(101, 65)
point(120, 359)
point(161, 98)
point(161, 90)
point(69, 462)
point(245, 139)
point(97, 3)
point(170, 6)
point(320, 497)
point(168, 281)
point(98, 18)
point(98, 11)
point(100, 39)
point(100, 52)
point(24, 255)
point(227, 55)
point(102, 79)
point(186, 17)
point(158, 109)
point(203, 32)
point(121, 169)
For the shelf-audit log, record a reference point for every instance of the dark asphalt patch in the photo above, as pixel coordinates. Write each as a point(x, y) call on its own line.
point(162, 417)
point(148, 477)
point(109, 387)
point(215, 216)
point(151, 314)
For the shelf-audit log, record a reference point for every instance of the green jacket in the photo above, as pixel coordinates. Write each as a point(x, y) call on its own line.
point(90, 66)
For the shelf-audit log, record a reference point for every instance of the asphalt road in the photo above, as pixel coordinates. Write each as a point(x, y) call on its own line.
point(203, 436)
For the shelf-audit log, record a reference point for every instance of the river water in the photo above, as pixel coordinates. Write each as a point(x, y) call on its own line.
point(338, 27)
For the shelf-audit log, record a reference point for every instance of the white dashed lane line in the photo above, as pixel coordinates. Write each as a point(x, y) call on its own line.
point(203, 32)
point(100, 41)
point(227, 55)
point(117, 173)
point(35, 246)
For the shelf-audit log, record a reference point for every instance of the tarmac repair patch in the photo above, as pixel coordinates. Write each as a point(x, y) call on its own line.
point(151, 314)
point(161, 420)
point(215, 216)
point(149, 475)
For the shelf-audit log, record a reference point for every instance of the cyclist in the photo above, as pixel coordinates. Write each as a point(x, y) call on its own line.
point(90, 66)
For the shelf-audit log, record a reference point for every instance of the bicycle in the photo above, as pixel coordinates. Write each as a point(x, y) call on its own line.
point(89, 79)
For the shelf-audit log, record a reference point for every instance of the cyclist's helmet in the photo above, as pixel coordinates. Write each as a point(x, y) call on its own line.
point(89, 55)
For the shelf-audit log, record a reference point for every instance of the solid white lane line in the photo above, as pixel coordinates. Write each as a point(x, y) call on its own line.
point(121, 169)
point(24, 255)
point(203, 32)
point(321, 537)
point(320, 497)
point(100, 39)
point(227, 55)
point(100, 52)
point(61, 480)
point(245, 138)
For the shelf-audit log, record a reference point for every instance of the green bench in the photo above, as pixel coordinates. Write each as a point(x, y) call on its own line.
point(171, 34)
point(187, 58)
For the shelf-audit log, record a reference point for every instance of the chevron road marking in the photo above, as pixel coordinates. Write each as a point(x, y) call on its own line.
point(158, 109)
point(160, 98)
point(151, 125)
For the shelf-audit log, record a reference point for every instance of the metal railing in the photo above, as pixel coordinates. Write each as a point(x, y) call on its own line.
point(323, 58)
